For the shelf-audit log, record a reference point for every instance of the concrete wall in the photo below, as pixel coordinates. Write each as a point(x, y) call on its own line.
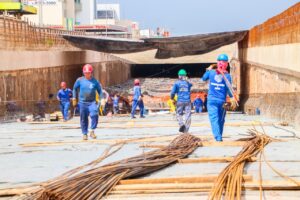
point(268, 67)
point(30, 81)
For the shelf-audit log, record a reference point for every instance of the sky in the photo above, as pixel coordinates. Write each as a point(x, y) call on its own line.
point(187, 17)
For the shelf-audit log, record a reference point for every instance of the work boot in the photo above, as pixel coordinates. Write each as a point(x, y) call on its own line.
point(182, 129)
point(84, 137)
point(133, 117)
point(142, 116)
point(92, 134)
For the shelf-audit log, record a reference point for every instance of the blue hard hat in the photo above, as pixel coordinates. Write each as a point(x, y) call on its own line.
point(223, 57)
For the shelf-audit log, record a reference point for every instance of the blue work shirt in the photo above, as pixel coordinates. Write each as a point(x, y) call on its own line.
point(116, 101)
point(198, 102)
point(137, 92)
point(64, 95)
point(87, 89)
point(218, 89)
point(183, 90)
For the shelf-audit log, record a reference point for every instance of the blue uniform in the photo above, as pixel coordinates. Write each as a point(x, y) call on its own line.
point(198, 103)
point(116, 104)
point(137, 93)
point(217, 93)
point(64, 96)
point(183, 90)
point(87, 101)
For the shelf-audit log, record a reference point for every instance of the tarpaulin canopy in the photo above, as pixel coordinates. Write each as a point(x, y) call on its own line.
point(166, 47)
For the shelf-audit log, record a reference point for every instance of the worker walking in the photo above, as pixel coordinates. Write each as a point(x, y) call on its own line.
point(137, 99)
point(87, 86)
point(116, 104)
point(63, 96)
point(183, 90)
point(217, 92)
point(198, 104)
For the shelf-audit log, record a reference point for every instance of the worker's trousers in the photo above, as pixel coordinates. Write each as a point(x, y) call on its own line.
point(116, 109)
point(136, 103)
point(88, 109)
point(64, 107)
point(216, 114)
point(198, 109)
point(183, 114)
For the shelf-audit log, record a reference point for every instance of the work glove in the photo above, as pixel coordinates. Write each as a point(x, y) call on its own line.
point(212, 66)
point(74, 102)
point(233, 104)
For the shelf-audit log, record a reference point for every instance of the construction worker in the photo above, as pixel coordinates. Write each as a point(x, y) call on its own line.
point(183, 90)
point(88, 86)
point(102, 101)
point(198, 104)
point(63, 96)
point(116, 104)
point(137, 99)
point(217, 92)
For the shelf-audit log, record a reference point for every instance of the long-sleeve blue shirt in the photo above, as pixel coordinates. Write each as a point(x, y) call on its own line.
point(137, 92)
point(183, 90)
point(116, 101)
point(64, 95)
point(198, 102)
point(218, 89)
point(87, 89)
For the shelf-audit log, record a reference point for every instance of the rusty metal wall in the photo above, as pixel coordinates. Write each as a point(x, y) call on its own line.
point(273, 89)
point(280, 29)
point(34, 90)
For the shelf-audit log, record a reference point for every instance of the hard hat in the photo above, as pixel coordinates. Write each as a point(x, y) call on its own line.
point(87, 68)
point(136, 82)
point(182, 72)
point(223, 57)
point(63, 84)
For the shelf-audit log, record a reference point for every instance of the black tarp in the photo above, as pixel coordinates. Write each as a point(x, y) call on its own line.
point(166, 47)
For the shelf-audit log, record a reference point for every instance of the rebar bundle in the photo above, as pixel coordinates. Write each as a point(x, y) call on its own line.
point(229, 182)
point(99, 181)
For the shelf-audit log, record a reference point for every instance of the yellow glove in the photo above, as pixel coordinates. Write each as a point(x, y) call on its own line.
point(233, 104)
point(74, 102)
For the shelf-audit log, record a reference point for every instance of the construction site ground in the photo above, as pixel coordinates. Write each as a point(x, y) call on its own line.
point(38, 151)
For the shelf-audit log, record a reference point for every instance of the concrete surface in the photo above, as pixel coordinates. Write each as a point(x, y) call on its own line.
point(25, 165)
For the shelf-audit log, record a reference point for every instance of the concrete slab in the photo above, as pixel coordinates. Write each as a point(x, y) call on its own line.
point(24, 165)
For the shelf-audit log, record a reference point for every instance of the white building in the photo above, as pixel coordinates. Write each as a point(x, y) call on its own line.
point(91, 12)
point(51, 12)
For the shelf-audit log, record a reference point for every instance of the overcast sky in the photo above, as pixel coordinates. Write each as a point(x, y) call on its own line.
point(185, 17)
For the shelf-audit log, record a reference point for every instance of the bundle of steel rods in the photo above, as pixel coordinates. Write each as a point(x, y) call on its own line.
point(99, 181)
point(229, 183)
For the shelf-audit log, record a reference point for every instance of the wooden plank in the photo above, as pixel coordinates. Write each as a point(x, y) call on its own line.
point(109, 141)
point(211, 159)
point(176, 125)
point(195, 179)
point(133, 140)
point(127, 192)
point(202, 144)
point(16, 191)
point(251, 185)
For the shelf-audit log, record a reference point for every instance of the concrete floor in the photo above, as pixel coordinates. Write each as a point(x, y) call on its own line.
point(24, 165)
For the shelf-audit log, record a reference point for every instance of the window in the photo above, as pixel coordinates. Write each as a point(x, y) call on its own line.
point(105, 14)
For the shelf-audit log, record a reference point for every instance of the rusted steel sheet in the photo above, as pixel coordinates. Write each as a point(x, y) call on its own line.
point(280, 29)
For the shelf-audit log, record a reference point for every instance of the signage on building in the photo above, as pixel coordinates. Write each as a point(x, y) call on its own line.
point(37, 2)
